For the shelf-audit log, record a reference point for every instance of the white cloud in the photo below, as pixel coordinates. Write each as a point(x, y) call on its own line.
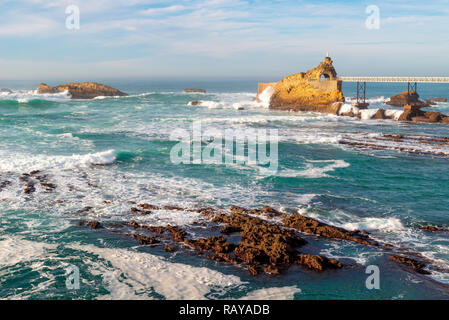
point(161, 11)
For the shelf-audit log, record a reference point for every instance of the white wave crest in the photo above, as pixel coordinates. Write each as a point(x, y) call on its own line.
point(314, 171)
point(25, 162)
point(175, 281)
point(24, 96)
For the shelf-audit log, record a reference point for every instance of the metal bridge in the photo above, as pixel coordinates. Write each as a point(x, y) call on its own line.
point(412, 83)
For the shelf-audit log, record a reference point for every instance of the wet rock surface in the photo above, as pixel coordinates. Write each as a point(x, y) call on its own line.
point(261, 240)
point(312, 226)
point(414, 264)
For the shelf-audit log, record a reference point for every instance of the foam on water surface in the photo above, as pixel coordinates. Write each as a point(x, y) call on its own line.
point(174, 281)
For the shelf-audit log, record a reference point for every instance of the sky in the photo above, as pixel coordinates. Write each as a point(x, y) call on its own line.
point(220, 38)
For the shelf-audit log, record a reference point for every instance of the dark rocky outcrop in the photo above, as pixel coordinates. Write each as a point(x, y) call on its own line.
point(4, 184)
point(90, 224)
point(317, 263)
point(312, 226)
point(415, 265)
point(317, 90)
point(264, 245)
point(195, 103)
point(433, 228)
point(5, 90)
point(144, 240)
point(85, 90)
point(407, 98)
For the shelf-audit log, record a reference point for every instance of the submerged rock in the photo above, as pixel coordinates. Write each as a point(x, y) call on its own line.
point(433, 228)
point(317, 90)
point(85, 90)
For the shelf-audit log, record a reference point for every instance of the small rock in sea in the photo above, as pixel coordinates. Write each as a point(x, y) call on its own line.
point(144, 240)
point(194, 91)
point(5, 90)
point(170, 248)
point(433, 228)
point(140, 211)
point(4, 184)
point(91, 224)
point(29, 189)
point(195, 103)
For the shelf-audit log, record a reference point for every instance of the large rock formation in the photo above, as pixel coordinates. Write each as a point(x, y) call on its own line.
point(407, 98)
point(317, 90)
point(85, 90)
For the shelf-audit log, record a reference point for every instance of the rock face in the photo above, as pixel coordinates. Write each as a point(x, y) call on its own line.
point(317, 90)
point(5, 90)
point(85, 90)
point(89, 90)
point(44, 88)
point(405, 98)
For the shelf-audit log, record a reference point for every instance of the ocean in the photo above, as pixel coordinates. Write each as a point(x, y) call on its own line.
point(105, 154)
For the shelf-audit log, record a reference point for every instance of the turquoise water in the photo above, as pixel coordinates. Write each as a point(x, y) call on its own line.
point(118, 150)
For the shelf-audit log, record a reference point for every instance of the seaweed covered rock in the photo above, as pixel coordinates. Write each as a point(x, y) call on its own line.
point(414, 264)
point(312, 226)
point(317, 262)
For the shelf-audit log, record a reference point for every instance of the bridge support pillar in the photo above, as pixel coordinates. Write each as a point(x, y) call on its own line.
point(361, 96)
point(412, 87)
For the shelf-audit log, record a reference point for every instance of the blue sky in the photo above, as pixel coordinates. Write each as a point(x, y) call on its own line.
point(220, 38)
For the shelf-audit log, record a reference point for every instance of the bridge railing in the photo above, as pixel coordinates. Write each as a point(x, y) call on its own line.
point(396, 79)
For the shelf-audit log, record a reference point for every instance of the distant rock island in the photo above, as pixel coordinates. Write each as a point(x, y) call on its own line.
point(194, 91)
point(85, 90)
